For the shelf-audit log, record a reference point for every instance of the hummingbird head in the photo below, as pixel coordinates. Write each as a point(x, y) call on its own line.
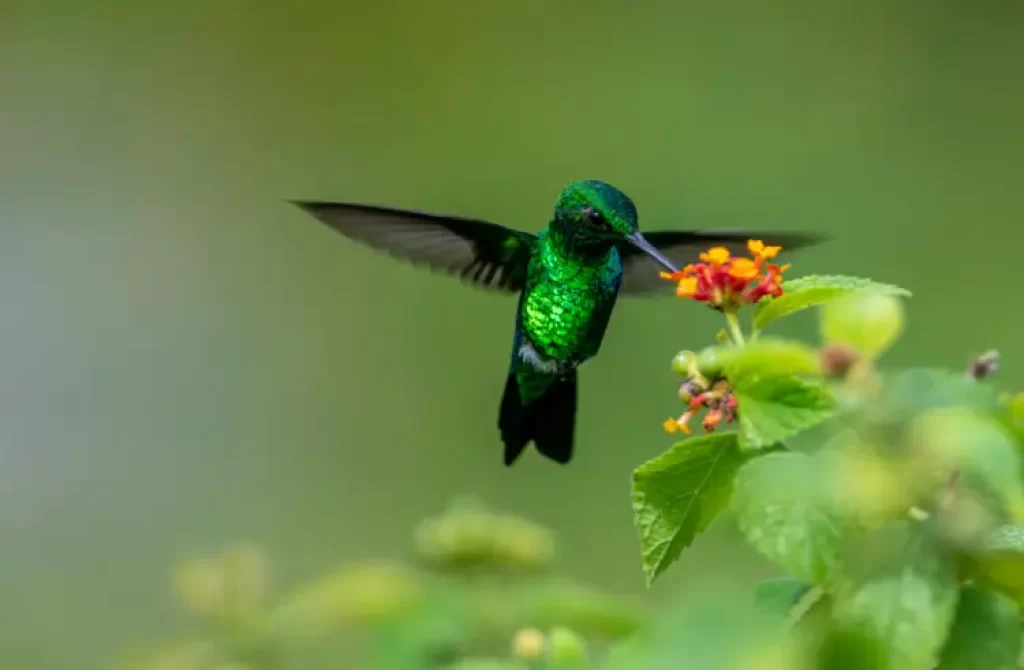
point(597, 214)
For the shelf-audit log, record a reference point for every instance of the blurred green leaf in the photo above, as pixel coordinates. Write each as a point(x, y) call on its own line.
point(769, 356)
point(468, 535)
point(813, 290)
point(677, 494)
point(986, 633)
point(779, 596)
point(983, 454)
point(763, 357)
point(712, 631)
point(772, 409)
point(898, 593)
point(908, 393)
point(358, 594)
point(999, 562)
point(787, 517)
point(562, 602)
point(487, 664)
point(432, 633)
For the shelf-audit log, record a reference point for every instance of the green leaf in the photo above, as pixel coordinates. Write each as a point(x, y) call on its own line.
point(1000, 562)
point(779, 596)
point(772, 409)
point(899, 593)
point(677, 494)
point(713, 629)
point(984, 454)
point(814, 290)
point(786, 515)
point(986, 633)
point(765, 357)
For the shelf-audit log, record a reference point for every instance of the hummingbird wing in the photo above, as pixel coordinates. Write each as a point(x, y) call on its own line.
point(640, 271)
point(482, 253)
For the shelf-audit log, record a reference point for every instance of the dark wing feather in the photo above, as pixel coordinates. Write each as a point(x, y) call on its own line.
point(640, 271)
point(483, 253)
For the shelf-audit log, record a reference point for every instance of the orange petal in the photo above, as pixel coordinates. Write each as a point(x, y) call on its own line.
point(755, 247)
point(670, 426)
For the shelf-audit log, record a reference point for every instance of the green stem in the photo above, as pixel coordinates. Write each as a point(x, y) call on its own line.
point(734, 328)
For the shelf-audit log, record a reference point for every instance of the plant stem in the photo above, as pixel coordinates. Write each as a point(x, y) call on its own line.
point(734, 328)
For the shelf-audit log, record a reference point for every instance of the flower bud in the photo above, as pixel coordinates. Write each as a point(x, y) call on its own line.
point(566, 649)
point(528, 644)
point(866, 321)
point(683, 362)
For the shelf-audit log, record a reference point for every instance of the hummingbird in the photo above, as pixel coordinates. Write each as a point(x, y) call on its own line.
point(567, 278)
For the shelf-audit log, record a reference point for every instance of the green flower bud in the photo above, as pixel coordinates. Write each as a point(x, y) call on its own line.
point(567, 649)
point(709, 362)
point(866, 321)
point(682, 363)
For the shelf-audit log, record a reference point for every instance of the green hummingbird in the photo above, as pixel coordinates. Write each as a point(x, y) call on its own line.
point(567, 277)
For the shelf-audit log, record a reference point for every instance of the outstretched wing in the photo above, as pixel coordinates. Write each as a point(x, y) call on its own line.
point(483, 253)
point(640, 271)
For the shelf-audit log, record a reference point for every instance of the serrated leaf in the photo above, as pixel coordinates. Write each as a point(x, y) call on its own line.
point(814, 290)
point(898, 592)
point(772, 409)
point(986, 633)
point(999, 562)
point(786, 515)
point(679, 493)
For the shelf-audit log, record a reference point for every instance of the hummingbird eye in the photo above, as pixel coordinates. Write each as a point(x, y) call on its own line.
point(594, 219)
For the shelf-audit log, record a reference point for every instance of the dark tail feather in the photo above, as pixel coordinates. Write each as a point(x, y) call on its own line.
point(549, 421)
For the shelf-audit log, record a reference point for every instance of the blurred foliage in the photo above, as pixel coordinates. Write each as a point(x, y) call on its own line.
point(893, 499)
point(483, 594)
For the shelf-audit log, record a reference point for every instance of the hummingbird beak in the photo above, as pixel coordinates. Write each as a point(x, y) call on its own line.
point(643, 245)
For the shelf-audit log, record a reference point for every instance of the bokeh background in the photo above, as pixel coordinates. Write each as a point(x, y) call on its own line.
point(186, 360)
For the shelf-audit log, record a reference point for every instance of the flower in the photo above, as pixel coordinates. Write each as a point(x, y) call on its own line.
point(725, 282)
point(718, 399)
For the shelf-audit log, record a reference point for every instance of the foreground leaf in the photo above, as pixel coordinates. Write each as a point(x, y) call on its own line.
point(787, 517)
point(898, 593)
point(1000, 562)
point(986, 633)
point(773, 409)
point(983, 453)
point(713, 630)
point(814, 290)
point(677, 494)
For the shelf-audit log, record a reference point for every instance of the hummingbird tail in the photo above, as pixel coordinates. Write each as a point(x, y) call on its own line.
point(549, 420)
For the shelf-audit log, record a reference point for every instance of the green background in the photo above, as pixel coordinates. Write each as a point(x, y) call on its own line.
point(186, 360)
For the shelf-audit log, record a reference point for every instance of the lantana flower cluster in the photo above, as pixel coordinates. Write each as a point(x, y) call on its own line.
point(725, 282)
